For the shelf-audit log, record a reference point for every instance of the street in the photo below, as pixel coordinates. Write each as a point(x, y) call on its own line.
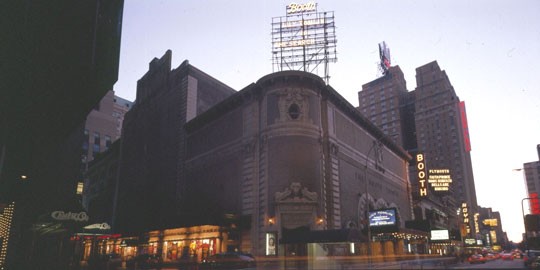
point(494, 264)
point(442, 263)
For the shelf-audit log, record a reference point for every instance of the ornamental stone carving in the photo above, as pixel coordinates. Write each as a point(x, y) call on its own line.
point(295, 193)
point(293, 105)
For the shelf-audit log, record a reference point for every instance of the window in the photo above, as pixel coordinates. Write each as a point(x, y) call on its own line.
point(108, 141)
point(96, 138)
point(95, 149)
point(80, 188)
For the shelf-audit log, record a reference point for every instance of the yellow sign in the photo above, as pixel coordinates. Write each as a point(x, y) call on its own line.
point(295, 43)
point(491, 222)
point(440, 179)
point(421, 168)
point(300, 8)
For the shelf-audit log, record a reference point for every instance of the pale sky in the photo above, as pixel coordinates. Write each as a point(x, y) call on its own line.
point(490, 50)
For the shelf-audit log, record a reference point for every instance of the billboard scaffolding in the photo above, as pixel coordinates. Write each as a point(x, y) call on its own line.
point(304, 39)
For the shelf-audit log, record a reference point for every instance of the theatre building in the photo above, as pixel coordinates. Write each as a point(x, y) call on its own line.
point(297, 166)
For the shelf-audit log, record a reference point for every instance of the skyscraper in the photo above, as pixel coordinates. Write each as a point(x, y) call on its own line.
point(430, 120)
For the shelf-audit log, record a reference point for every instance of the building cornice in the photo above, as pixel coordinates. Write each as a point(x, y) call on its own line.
point(254, 91)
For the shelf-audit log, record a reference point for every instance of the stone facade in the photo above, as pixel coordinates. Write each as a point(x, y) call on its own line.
point(289, 152)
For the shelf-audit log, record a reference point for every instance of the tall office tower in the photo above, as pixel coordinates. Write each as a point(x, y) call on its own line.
point(432, 121)
point(442, 135)
point(380, 101)
point(151, 181)
point(388, 104)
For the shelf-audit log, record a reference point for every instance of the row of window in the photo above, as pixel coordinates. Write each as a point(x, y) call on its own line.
point(95, 142)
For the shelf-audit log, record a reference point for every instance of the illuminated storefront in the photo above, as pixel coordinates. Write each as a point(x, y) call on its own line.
point(193, 243)
point(179, 244)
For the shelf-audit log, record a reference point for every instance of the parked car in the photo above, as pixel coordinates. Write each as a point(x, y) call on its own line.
point(228, 260)
point(477, 258)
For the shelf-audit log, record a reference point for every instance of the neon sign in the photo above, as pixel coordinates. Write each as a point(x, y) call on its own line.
point(290, 24)
point(421, 168)
point(295, 43)
point(466, 217)
point(301, 8)
point(61, 215)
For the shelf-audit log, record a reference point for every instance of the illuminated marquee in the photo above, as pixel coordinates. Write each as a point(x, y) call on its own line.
point(421, 168)
point(492, 222)
point(470, 241)
point(439, 179)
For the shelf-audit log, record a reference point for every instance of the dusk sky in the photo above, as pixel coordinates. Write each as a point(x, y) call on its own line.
point(490, 50)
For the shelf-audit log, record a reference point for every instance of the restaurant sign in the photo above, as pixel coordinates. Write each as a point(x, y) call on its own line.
point(66, 216)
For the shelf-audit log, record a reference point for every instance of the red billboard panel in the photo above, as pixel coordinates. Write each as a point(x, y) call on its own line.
point(465, 126)
point(534, 202)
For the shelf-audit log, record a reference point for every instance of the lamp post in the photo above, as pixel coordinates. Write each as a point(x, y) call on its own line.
point(376, 143)
point(524, 225)
point(522, 208)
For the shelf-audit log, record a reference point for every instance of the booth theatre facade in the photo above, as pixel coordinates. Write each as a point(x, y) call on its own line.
point(298, 164)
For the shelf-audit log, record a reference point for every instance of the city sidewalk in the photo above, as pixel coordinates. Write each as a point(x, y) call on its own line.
point(329, 264)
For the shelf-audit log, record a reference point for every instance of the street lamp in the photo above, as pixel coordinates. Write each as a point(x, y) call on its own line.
point(376, 144)
point(524, 225)
point(522, 208)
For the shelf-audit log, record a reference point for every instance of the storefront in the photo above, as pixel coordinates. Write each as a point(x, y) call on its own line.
point(188, 244)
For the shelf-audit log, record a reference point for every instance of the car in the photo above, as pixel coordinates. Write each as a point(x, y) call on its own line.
point(507, 256)
point(530, 256)
point(228, 260)
point(477, 258)
point(490, 256)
